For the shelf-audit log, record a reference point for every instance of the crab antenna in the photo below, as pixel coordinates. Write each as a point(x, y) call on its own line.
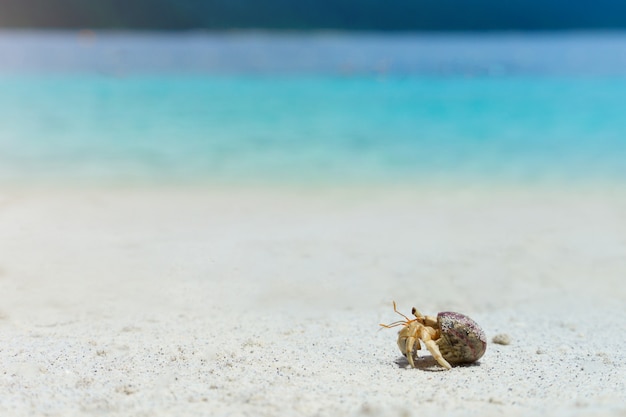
point(394, 324)
point(395, 308)
point(399, 322)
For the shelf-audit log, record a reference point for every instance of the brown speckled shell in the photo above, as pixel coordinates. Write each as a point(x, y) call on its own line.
point(462, 340)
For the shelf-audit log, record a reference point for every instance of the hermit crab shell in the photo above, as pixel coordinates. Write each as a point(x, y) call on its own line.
point(462, 340)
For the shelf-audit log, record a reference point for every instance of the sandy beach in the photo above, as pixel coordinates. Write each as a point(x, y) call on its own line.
point(266, 301)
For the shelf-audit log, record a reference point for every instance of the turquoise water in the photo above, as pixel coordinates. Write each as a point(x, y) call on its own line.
point(203, 108)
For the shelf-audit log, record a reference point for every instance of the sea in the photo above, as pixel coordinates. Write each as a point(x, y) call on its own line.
point(312, 108)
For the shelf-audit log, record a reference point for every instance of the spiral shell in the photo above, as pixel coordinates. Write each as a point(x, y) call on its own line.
point(462, 340)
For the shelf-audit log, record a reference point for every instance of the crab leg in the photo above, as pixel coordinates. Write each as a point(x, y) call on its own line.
point(432, 347)
point(410, 342)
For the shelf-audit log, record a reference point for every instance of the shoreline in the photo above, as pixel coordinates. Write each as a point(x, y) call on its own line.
point(428, 184)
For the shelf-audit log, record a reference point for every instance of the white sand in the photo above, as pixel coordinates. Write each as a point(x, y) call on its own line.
point(266, 302)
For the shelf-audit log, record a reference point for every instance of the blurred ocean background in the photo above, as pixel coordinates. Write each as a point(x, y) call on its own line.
point(318, 107)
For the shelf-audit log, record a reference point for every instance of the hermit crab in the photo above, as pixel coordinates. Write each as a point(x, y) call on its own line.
point(452, 338)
